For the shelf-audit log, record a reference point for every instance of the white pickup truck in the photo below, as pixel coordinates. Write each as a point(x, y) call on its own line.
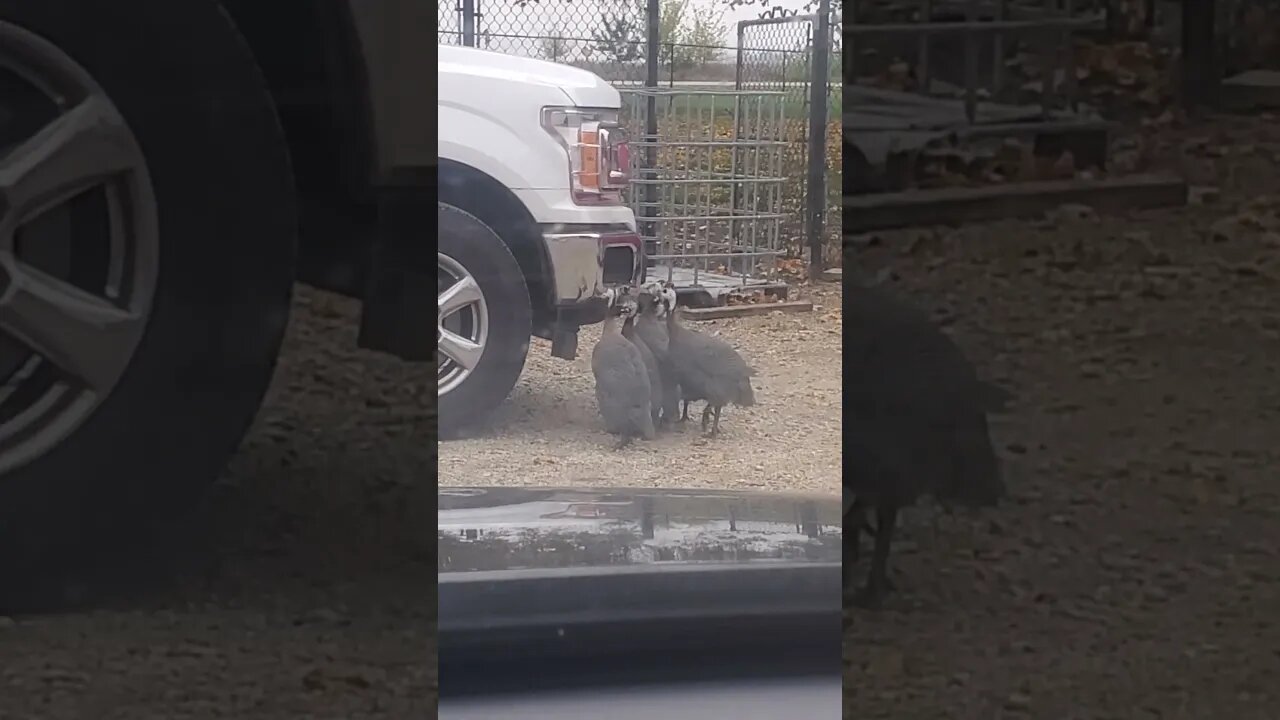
point(531, 220)
point(160, 196)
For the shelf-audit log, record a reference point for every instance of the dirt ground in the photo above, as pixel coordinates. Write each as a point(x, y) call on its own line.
point(550, 432)
point(305, 587)
point(1135, 570)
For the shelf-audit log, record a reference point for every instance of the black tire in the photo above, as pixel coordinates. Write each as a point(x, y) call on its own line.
point(468, 241)
point(187, 85)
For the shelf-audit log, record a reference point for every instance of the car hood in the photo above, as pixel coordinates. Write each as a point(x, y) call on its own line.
point(493, 529)
point(488, 72)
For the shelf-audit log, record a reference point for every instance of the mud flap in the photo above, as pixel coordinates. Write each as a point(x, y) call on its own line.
point(564, 342)
point(393, 318)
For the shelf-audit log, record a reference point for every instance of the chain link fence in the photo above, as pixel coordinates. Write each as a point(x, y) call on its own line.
point(682, 46)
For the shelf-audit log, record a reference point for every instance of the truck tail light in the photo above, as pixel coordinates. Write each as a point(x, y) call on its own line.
point(599, 156)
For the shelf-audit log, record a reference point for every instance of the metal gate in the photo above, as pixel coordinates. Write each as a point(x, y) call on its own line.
point(791, 55)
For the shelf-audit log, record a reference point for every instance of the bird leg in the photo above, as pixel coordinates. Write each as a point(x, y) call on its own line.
point(706, 417)
point(715, 426)
point(684, 411)
point(856, 520)
point(878, 583)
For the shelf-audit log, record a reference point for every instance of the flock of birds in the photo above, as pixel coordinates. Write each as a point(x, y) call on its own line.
point(915, 410)
point(647, 364)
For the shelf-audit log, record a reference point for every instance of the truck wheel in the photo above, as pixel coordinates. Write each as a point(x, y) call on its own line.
point(483, 320)
point(147, 232)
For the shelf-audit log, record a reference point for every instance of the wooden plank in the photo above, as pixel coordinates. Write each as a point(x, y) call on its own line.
point(1252, 90)
point(949, 206)
point(730, 311)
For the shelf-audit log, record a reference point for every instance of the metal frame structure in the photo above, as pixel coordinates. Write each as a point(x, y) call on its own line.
point(709, 204)
point(882, 125)
point(1062, 24)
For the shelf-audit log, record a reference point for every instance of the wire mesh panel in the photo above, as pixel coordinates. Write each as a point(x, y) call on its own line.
point(776, 54)
point(707, 189)
point(450, 32)
point(607, 37)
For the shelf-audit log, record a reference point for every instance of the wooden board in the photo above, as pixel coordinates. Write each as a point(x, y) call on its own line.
point(1252, 90)
point(727, 311)
point(950, 206)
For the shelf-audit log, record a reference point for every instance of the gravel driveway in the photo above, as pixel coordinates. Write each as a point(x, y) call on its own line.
point(303, 589)
point(1135, 572)
point(550, 433)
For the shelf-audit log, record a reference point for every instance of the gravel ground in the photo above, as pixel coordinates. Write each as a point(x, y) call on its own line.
point(304, 588)
point(1135, 572)
point(550, 433)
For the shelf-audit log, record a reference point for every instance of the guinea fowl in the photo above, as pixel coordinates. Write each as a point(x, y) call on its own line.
point(630, 332)
point(622, 381)
point(707, 368)
point(915, 423)
point(652, 329)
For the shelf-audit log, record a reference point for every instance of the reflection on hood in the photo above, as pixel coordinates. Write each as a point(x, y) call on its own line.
point(508, 528)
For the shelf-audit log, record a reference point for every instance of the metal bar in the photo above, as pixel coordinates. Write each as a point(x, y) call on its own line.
point(687, 256)
point(971, 62)
point(981, 28)
point(468, 10)
point(779, 20)
point(997, 50)
point(1032, 127)
point(651, 116)
point(735, 188)
point(1049, 54)
point(922, 61)
point(1201, 78)
point(817, 190)
point(1069, 84)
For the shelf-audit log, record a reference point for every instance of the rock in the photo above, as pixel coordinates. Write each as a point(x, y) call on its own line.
point(1017, 701)
point(1072, 212)
point(1141, 250)
point(1227, 229)
point(1203, 195)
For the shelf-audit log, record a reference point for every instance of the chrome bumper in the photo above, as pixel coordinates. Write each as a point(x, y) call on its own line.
point(578, 263)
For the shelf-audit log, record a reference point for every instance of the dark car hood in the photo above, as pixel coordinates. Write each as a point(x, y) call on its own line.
point(488, 528)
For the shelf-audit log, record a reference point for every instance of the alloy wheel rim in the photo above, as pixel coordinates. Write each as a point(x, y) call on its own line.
point(462, 324)
point(79, 246)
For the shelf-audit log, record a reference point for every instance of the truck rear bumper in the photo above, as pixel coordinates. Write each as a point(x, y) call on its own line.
point(584, 261)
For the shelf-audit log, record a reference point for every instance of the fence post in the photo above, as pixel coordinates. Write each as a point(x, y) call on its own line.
point(652, 48)
point(817, 200)
point(468, 10)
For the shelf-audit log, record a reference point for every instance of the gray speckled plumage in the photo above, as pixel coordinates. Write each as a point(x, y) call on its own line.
point(653, 331)
point(622, 384)
point(708, 368)
point(914, 407)
point(915, 423)
point(629, 331)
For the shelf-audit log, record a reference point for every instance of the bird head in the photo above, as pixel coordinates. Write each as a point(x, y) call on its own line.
point(669, 298)
point(626, 304)
point(651, 297)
